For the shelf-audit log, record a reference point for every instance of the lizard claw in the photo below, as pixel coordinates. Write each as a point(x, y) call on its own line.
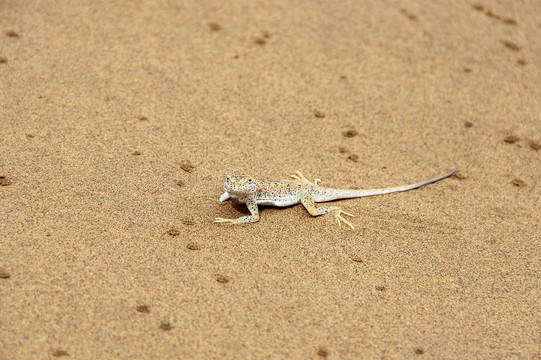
point(338, 216)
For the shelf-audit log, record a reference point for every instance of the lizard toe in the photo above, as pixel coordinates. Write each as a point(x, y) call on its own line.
point(222, 220)
point(340, 219)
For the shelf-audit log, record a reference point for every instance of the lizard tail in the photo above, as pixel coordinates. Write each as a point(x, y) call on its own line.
point(348, 194)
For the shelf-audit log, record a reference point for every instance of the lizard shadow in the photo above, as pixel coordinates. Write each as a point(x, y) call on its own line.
point(241, 207)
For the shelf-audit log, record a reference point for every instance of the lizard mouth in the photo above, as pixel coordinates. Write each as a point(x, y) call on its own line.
point(231, 190)
point(236, 193)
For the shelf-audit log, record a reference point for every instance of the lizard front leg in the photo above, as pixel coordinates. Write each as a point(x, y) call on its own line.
point(310, 205)
point(254, 210)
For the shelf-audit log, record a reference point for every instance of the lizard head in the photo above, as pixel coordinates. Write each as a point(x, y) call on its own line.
point(240, 184)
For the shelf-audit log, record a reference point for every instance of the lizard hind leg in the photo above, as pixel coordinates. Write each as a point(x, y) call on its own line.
point(310, 205)
point(298, 176)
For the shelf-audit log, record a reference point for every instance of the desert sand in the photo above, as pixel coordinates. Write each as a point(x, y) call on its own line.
point(119, 121)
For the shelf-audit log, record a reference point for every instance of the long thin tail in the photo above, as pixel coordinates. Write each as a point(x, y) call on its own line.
point(371, 192)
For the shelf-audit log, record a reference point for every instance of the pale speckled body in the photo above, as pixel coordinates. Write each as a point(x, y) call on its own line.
point(287, 193)
point(245, 189)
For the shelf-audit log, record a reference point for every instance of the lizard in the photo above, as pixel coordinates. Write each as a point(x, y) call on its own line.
point(244, 189)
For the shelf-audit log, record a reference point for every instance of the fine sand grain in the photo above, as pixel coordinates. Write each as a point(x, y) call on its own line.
point(120, 119)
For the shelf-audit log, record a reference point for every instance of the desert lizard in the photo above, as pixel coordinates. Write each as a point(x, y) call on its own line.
point(245, 189)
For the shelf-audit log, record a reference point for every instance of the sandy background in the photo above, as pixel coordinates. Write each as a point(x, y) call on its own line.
point(119, 121)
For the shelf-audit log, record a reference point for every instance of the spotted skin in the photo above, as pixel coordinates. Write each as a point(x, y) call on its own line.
point(245, 189)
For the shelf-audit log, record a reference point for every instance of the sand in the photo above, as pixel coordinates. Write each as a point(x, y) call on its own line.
point(119, 121)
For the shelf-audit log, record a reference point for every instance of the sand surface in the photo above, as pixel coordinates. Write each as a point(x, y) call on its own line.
point(120, 119)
